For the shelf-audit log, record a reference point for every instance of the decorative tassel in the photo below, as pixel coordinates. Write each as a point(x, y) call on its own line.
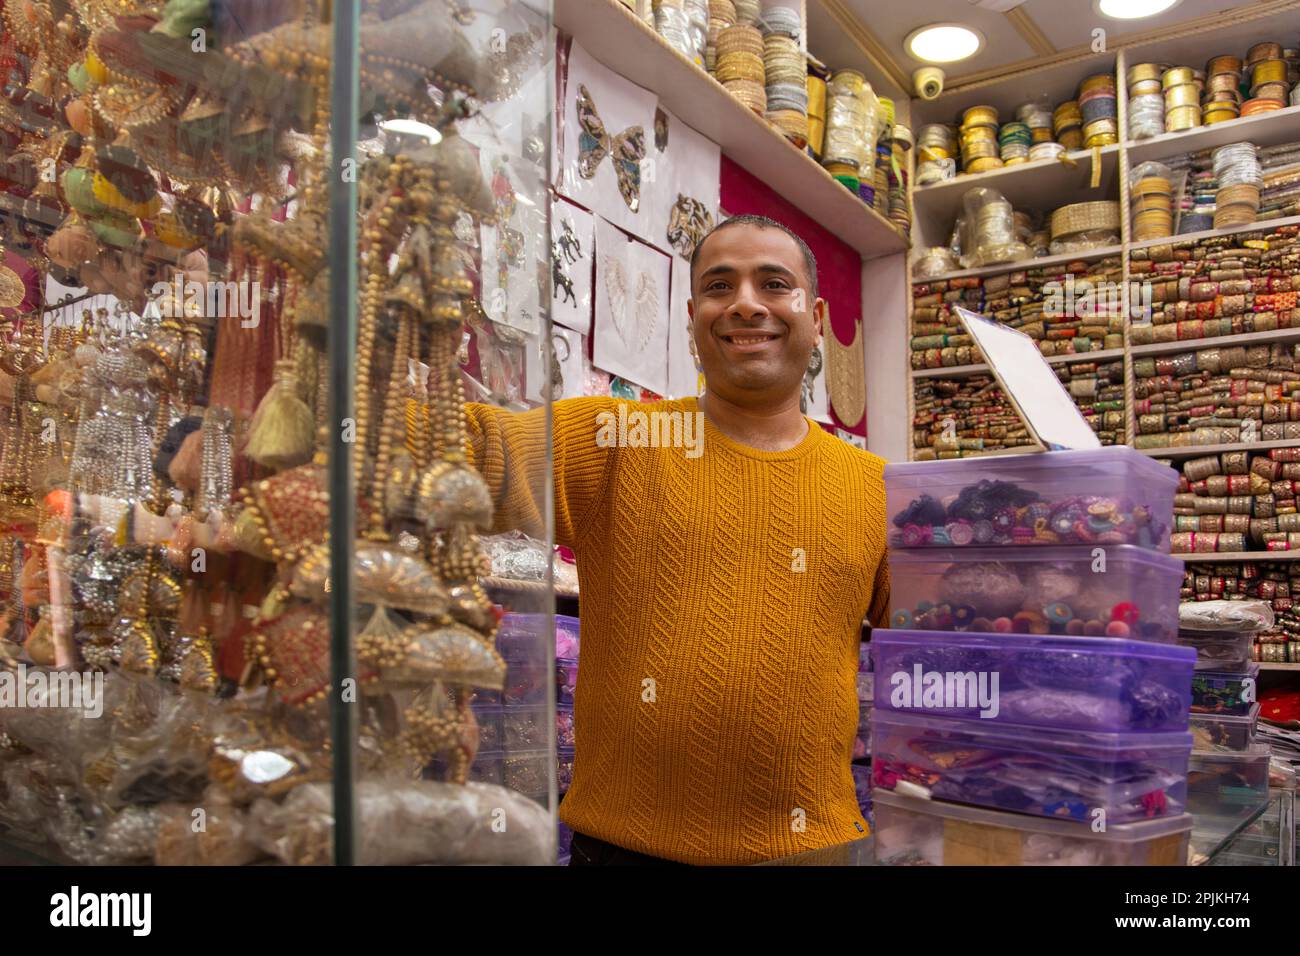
point(282, 429)
point(249, 536)
point(187, 466)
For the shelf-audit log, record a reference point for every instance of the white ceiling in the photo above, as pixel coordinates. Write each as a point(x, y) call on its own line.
point(1056, 25)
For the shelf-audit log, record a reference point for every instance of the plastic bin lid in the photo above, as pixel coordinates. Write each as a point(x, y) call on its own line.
point(1041, 465)
point(1254, 754)
point(1114, 832)
point(1112, 646)
point(1021, 737)
point(1124, 554)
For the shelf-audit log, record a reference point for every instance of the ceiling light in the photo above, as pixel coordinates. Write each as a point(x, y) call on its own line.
point(943, 43)
point(410, 127)
point(1133, 9)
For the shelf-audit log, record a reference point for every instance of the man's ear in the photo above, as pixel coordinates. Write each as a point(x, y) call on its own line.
point(690, 311)
point(821, 318)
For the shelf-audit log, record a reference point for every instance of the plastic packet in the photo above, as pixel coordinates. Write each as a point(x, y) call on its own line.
point(222, 840)
point(409, 822)
point(1084, 241)
point(1237, 616)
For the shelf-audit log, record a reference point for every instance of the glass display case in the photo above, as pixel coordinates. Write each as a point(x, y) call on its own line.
point(275, 280)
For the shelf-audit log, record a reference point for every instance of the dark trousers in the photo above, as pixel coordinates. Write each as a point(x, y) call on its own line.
point(588, 851)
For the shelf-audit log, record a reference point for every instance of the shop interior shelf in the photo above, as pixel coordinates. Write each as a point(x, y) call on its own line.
point(1089, 255)
point(964, 371)
point(1258, 226)
point(1241, 556)
point(1043, 186)
point(1218, 341)
point(1262, 129)
point(1196, 451)
point(616, 37)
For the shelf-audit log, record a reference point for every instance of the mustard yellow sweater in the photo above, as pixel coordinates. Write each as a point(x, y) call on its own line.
point(723, 590)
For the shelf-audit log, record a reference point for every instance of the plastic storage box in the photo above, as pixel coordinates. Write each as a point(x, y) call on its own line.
point(862, 787)
point(564, 736)
point(1082, 683)
point(524, 772)
point(563, 769)
point(1224, 652)
point(1224, 731)
point(1214, 692)
point(511, 727)
point(1106, 496)
point(866, 685)
point(1220, 783)
point(524, 634)
point(566, 680)
point(913, 831)
point(1131, 592)
point(862, 743)
point(1074, 775)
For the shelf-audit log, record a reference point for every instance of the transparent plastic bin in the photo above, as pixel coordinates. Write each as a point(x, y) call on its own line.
point(564, 726)
point(525, 772)
point(862, 787)
point(1214, 692)
point(1225, 652)
point(910, 831)
point(563, 769)
point(1221, 783)
point(866, 686)
point(566, 680)
point(1037, 591)
point(518, 632)
point(511, 727)
point(1082, 683)
point(1073, 775)
point(1224, 731)
point(563, 839)
point(1105, 496)
point(862, 742)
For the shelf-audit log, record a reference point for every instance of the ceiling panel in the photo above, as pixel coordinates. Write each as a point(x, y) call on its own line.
point(1069, 23)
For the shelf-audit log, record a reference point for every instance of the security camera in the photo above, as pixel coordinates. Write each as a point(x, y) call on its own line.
point(928, 82)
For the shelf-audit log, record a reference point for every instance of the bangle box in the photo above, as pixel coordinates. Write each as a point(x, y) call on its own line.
point(1224, 731)
point(1106, 496)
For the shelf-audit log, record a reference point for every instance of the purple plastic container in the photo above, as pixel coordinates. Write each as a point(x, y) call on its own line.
point(511, 727)
point(862, 787)
point(523, 635)
point(1106, 496)
point(564, 837)
point(866, 686)
point(1115, 591)
point(564, 769)
point(1082, 683)
point(566, 680)
point(1224, 731)
point(564, 726)
point(1066, 774)
point(862, 742)
point(1214, 692)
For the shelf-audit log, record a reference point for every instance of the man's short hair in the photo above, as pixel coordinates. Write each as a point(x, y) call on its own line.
point(809, 260)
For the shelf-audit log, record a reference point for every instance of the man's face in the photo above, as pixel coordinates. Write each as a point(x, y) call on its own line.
point(753, 318)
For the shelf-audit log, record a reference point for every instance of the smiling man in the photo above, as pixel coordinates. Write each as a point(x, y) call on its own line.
point(722, 593)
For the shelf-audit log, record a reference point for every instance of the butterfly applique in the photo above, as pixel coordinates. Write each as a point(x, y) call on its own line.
point(627, 149)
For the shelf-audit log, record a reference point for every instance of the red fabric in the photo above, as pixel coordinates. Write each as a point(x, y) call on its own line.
point(839, 268)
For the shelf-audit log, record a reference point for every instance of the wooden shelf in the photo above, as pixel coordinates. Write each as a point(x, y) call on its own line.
point(1089, 255)
point(1196, 451)
point(1262, 129)
point(1276, 666)
point(965, 371)
point(617, 38)
point(1044, 185)
point(1263, 225)
point(1218, 557)
point(1217, 341)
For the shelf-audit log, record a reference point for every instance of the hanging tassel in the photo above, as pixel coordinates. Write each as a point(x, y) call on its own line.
point(280, 435)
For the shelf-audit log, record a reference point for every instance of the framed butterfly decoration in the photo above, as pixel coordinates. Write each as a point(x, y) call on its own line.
point(606, 159)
